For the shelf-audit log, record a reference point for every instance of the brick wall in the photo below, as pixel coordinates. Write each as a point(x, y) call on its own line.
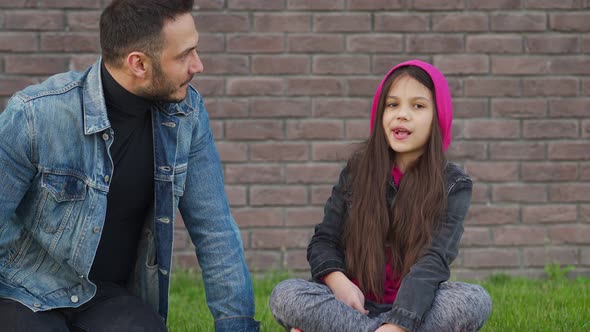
point(288, 85)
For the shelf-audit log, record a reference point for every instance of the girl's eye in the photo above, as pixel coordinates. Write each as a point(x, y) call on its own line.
point(419, 106)
point(392, 105)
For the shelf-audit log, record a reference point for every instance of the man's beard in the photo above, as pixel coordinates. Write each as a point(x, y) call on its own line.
point(162, 89)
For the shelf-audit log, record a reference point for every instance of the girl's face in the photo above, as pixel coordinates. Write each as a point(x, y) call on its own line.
point(407, 119)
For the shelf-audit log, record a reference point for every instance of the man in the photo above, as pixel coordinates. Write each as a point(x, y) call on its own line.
point(92, 168)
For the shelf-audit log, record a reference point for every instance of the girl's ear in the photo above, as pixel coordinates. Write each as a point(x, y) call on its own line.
point(138, 64)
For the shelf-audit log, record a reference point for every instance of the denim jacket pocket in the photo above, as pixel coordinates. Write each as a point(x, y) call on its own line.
point(61, 204)
point(179, 179)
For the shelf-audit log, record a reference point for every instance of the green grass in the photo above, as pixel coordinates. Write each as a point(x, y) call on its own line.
point(554, 304)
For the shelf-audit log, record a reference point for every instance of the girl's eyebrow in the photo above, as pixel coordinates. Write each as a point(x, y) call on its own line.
point(418, 97)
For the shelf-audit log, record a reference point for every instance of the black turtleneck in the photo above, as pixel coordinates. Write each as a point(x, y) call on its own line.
point(131, 190)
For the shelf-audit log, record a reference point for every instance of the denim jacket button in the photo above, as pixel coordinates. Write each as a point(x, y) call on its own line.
point(96, 229)
point(37, 305)
point(74, 299)
point(107, 178)
point(105, 136)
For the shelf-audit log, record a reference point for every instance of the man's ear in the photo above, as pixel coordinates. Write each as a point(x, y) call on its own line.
point(139, 64)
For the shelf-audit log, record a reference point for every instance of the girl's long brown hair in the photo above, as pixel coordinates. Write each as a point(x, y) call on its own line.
point(405, 227)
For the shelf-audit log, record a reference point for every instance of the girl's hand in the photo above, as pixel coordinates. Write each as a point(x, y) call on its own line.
point(345, 291)
point(390, 328)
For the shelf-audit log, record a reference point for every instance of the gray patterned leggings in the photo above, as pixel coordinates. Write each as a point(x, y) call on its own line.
point(312, 307)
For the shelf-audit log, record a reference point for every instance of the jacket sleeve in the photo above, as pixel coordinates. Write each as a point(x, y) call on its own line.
point(418, 288)
point(206, 214)
point(325, 252)
point(17, 158)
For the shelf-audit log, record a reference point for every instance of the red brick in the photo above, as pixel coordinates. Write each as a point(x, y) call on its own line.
point(480, 193)
point(502, 129)
point(363, 87)
point(209, 4)
point(263, 260)
point(584, 171)
point(467, 150)
point(383, 63)
point(315, 43)
point(70, 42)
point(455, 86)
point(315, 87)
point(550, 129)
point(570, 107)
point(462, 64)
point(231, 151)
point(181, 240)
point(488, 258)
point(340, 108)
point(552, 44)
point(288, 64)
point(570, 22)
point(517, 151)
point(222, 22)
point(83, 20)
point(342, 64)
point(569, 150)
point(18, 42)
point(34, 20)
point(333, 151)
point(519, 108)
point(519, 235)
point(209, 86)
point(279, 152)
point(236, 195)
point(226, 108)
point(585, 213)
point(511, 65)
point(585, 128)
point(476, 236)
point(585, 256)
point(255, 43)
point(18, 3)
point(551, 4)
point(549, 255)
point(185, 260)
point(304, 216)
point(586, 44)
point(569, 234)
point(518, 22)
point(549, 171)
point(258, 86)
point(313, 173)
point(492, 171)
point(292, 108)
point(494, 43)
point(458, 22)
point(296, 260)
point(290, 22)
point(457, 129)
point(376, 4)
point(317, 129)
point(315, 4)
point(69, 4)
point(278, 195)
point(320, 194)
point(22, 64)
point(553, 86)
point(254, 129)
point(209, 42)
point(434, 43)
point(586, 87)
point(357, 129)
point(225, 64)
point(570, 192)
point(549, 214)
point(342, 22)
point(491, 87)
point(523, 193)
point(438, 5)
point(492, 215)
point(252, 173)
point(216, 129)
point(375, 43)
point(406, 22)
point(470, 108)
point(570, 65)
point(256, 4)
point(494, 4)
point(258, 217)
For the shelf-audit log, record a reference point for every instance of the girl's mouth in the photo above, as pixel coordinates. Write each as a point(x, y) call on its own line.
point(401, 133)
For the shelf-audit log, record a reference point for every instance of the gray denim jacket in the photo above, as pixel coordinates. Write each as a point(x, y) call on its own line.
point(325, 252)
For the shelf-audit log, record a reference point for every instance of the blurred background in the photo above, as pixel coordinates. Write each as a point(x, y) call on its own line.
point(288, 86)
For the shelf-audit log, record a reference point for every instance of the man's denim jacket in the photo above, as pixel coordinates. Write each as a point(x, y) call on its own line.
point(325, 252)
point(55, 168)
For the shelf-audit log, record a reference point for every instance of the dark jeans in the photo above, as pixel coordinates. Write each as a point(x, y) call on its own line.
point(112, 309)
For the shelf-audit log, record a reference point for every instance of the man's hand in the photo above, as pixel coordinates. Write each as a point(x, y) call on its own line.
point(390, 328)
point(346, 291)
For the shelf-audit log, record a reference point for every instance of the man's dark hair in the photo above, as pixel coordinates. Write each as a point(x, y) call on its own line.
point(136, 25)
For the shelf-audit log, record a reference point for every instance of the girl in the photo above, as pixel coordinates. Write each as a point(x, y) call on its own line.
point(380, 258)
